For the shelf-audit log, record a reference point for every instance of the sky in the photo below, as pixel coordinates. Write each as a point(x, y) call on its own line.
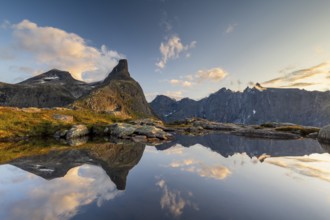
point(178, 48)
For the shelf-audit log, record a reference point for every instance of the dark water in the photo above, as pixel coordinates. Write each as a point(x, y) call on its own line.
point(210, 177)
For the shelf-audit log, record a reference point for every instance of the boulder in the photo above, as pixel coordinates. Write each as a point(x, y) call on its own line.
point(77, 131)
point(324, 134)
point(121, 130)
point(152, 132)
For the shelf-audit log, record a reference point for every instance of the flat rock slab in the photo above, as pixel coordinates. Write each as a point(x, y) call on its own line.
point(265, 133)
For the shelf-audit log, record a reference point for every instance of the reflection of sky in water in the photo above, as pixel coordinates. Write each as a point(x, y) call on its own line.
point(180, 183)
point(28, 196)
point(241, 187)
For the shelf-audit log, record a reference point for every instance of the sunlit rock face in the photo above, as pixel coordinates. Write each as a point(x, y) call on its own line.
point(253, 106)
point(118, 94)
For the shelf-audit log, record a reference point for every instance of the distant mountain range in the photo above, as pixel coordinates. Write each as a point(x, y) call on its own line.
point(118, 93)
point(252, 106)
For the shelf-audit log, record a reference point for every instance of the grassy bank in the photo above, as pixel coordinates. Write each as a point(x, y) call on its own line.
point(26, 122)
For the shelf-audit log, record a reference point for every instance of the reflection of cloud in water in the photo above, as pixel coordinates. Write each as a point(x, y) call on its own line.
point(314, 165)
point(60, 198)
point(173, 200)
point(176, 149)
point(202, 169)
point(198, 159)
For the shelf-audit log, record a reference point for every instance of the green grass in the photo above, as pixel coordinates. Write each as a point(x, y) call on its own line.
point(17, 123)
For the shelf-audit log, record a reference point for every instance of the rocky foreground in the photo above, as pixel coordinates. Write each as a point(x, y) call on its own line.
point(155, 132)
point(76, 126)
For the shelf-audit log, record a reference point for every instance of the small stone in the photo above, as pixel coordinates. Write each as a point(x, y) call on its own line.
point(77, 131)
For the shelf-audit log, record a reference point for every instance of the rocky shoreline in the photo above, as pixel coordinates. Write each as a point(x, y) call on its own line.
point(156, 132)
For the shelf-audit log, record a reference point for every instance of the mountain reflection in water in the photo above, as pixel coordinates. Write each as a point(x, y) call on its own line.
point(204, 177)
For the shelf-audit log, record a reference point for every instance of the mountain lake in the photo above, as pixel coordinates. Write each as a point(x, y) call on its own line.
point(216, 176)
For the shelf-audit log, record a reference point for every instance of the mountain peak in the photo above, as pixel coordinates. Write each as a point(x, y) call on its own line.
point(51, 76)
point(119, 72)
point(259, 87)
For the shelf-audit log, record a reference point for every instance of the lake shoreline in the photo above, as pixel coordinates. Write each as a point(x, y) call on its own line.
point(67, 124)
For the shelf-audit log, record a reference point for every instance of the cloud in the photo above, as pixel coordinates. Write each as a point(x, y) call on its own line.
point(61, 198)
point(302, 84)
point(315, 165)
point(212, 75)
point(183, 83)
point(173, 200)
point(172, 49)
point(175, 94)
point(56, 48)
point(230, 28)
point(301, 78)
point(202, 169)
point(165, 22)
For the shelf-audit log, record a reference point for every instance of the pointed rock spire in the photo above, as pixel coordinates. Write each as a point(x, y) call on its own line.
point(119, 72)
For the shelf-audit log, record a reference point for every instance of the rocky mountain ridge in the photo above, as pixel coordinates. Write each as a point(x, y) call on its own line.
point(118, 94)
point(252, 106)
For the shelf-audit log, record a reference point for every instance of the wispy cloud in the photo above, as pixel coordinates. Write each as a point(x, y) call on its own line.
point(302, 84)
point(172, 49)
point(165, 22)
point(214, 74)
point(202, 169)
point(315, 165)
point(231, 28)
point(211, 75)
point(301, 78)
point(56, 48)
point(173, 200)
point(183, 83)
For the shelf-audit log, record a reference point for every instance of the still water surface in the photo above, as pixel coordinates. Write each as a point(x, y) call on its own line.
point(209, 177)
